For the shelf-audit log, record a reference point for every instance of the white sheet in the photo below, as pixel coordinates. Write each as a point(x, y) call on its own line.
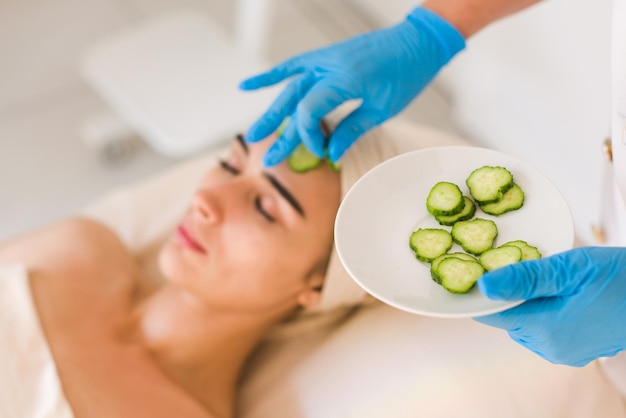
point(387, 363)
point(29, 384)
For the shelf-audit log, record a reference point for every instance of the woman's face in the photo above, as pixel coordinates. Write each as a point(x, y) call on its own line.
point(254, 238)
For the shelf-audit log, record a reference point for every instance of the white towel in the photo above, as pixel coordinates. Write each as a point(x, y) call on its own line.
point(29, 383)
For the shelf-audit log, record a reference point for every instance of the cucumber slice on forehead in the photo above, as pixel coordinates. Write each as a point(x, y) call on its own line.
point(302, 160)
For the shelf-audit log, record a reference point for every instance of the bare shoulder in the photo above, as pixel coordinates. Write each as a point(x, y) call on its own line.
point(131, 385)
point(77, 239)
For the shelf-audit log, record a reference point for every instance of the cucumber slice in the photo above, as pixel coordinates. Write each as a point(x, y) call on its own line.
point(487, 184)
point(282, 126)
point(511, 200)
point(528, 251)
point(444, 199)
point(333, 166)
point(466, 213)
point(302, 160)
point(436, 261)
point(430, 243)
point(499, 257)
point(476, 235)
point(459, 276)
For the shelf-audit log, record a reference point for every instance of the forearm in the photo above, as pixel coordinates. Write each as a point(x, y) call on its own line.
point(470, 16)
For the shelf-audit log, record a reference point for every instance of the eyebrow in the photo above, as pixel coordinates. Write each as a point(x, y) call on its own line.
point(284, 193)
point(273, 181)
point(242, 142)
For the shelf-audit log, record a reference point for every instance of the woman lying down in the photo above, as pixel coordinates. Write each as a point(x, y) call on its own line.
point(88, 335)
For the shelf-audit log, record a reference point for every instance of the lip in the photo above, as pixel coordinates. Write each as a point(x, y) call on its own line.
point(187, 240)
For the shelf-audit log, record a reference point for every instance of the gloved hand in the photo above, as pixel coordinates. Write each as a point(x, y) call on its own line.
point(575, 308)
point(385, 69)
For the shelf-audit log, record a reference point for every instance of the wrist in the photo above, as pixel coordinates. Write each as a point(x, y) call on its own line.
point(470, 16)
point(458, 14)
point(449, 39)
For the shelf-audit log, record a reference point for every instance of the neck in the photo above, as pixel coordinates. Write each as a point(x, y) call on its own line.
point(200, 348)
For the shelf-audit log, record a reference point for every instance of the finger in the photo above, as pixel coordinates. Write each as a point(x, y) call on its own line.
point(277, 74)
point(551, 276)
point(324, 97)
point(284, 105)
point(283, 146)
point(350, 129)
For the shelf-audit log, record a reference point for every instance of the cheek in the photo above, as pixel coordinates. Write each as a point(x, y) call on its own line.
point(265, 264)
point(176, 265)
point(251, 267)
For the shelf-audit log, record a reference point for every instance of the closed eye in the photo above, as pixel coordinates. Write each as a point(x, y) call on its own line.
point(257, 200)
point(228, 167)
point(262, 211)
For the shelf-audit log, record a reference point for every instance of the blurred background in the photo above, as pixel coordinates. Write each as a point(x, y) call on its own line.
point(535, 85)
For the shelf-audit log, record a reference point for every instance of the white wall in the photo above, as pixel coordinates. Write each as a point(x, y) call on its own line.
point(536, 86)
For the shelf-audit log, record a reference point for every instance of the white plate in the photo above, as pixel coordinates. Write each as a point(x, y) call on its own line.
point(387, 204)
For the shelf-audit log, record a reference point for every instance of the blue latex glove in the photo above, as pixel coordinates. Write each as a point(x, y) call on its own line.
point(386, 69)
point(575, 308)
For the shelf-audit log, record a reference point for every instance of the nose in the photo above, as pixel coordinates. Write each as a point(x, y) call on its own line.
point(207, 206)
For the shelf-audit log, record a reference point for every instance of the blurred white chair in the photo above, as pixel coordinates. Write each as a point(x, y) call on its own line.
point(173, 80)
